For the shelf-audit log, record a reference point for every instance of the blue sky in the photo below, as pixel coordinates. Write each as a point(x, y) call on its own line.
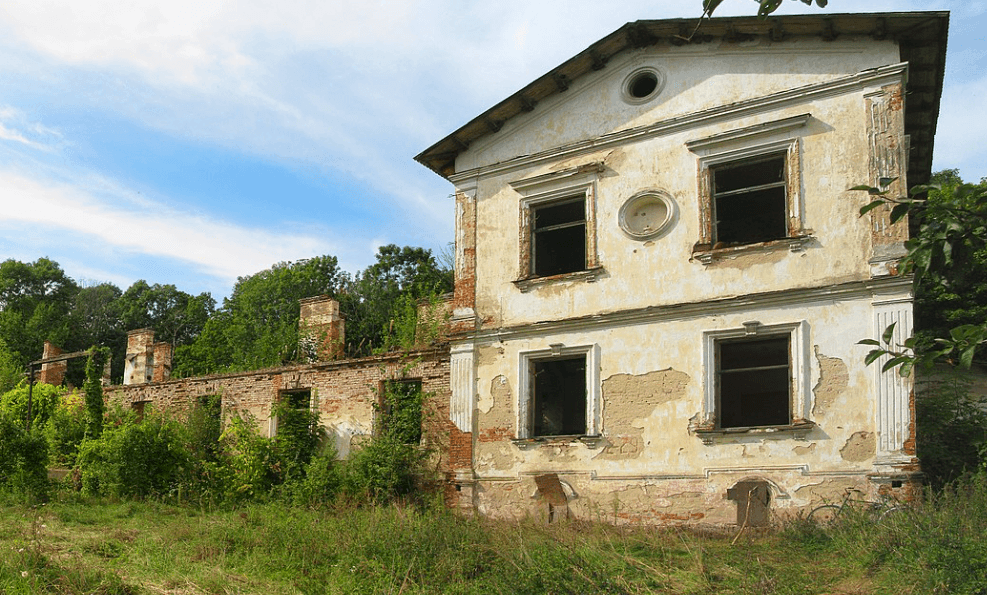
point(191, 143)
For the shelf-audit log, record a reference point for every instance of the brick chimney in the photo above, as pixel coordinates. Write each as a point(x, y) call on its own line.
point(147, 361)
point(322, 335)
point(53, 373)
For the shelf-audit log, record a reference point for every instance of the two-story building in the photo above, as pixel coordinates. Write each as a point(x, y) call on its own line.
point(661, 277)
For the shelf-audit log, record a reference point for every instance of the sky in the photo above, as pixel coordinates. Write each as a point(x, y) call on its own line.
point(190, 143)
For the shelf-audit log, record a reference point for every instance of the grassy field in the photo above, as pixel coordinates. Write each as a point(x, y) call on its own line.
point(73, 545)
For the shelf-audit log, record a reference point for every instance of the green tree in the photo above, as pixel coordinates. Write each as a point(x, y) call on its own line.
point(174, 316)
point(95, 320)
point(947, 254)
point(35, 300)
point(371, 301)
point(94, 392)
point(257, 326)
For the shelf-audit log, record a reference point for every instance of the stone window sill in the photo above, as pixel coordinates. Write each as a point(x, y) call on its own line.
point(707, 255)
point(798, 430)
point(588, 275)
point(526, 443)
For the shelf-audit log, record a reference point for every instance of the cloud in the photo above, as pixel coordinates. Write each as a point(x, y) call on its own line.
point(104, 214)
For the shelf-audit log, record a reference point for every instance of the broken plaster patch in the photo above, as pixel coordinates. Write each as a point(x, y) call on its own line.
point(833, 380)
point(861, 446)
point(628, 398)
point(500, 392)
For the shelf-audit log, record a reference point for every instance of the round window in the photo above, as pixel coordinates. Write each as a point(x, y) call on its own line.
point(643, 84)
point(646, 214)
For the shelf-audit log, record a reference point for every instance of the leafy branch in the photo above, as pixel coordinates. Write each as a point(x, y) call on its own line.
point(948, 248)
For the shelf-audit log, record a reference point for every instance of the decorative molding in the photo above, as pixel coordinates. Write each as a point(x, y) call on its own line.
point(462, 383)
point(891, 287)
point(776, 101)
point(747, 134)
point(893, 413)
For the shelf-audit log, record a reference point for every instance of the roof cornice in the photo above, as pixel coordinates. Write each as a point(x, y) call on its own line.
point(920, 35)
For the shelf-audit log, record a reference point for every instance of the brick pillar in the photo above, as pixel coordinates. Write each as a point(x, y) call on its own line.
point(139, 366)
point(321, 328)
point(53, 373)
point(162, 362)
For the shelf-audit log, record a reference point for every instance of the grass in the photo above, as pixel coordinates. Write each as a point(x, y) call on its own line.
point(76, 545)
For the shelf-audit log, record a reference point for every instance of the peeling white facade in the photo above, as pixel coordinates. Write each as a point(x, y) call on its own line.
point(711, 343)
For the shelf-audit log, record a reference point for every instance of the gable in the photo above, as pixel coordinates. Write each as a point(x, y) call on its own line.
point(921, 38)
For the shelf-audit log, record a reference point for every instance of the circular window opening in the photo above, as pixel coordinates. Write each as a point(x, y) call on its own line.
point(646, 215)
point(642, 85)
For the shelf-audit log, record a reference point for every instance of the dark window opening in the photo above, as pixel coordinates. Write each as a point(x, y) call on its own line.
point(754, 381)
point(139, 408)
point(643, 85)
point(558, 399)
point(293, 415)
point(205, 426)
point(401, 411)
point(749, 201)
point(558, 238)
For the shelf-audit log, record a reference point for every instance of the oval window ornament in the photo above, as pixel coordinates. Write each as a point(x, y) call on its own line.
point(646, 215)
point(642, 85)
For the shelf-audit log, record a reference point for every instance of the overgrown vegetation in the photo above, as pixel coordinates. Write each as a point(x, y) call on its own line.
point(81, 545)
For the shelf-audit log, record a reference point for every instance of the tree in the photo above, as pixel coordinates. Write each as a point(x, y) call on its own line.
point(947, 254)
point(369, 302)
point(257, 326)
point(174, 316)
point(35, 299)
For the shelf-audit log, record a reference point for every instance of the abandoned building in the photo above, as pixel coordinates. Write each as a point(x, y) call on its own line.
point(661, 280)
point(661, 277)
point(348, 394)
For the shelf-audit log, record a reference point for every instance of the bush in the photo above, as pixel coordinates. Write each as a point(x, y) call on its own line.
point(247, 459)
point(135, 459)
point(951, 427)
point(383, 470)
point(44, 401)
point(65, 430)
point(23, 459)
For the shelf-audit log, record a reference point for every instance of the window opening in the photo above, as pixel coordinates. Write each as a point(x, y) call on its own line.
point(558, 399)
point(754, 381)
point(205, 426)
point(558, 242)
point(140, 409)
point(293, 416)
point(401, 411)
point(643, 85)
point(749, 201)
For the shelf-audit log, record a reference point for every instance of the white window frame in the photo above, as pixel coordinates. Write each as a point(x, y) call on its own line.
point(799, 368)
point(526, 358)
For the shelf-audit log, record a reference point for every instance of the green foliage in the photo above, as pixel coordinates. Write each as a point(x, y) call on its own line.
point(376, 298)
point(248, 460)
point(257, 326)
point(23, 459)
point(35, 299)
point(93, 389)
point(44, 401)
point(65, 430)
point(951, 428)
point(298, 437)
point(134, 459)
point(383, 470)
point(416, 322)
point(11, 372)
point(947, 253)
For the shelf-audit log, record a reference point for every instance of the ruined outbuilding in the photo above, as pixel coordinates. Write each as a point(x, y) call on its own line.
point(661, 277)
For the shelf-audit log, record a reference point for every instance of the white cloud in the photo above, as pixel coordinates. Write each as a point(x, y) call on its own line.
point(217, 248)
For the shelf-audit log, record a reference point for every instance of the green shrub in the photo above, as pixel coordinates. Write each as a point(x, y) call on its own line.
point(247, 459)
point(23, 459)
point(44, 401)
point(951, 427)
point(135, 459)
point(383, 470)
point(65, 430)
